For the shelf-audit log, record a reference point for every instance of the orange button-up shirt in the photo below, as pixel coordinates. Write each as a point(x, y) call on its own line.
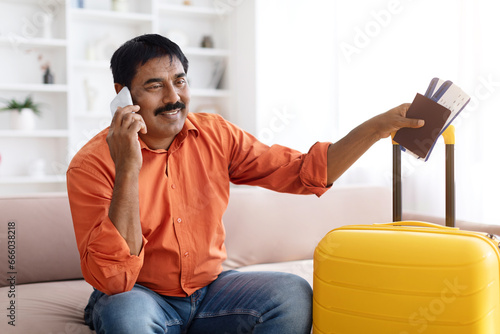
point(183, 193)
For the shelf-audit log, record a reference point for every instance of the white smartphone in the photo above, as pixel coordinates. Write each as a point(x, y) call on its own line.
point(122, 99)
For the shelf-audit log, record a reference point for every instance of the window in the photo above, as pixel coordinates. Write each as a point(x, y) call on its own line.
point(323, 67)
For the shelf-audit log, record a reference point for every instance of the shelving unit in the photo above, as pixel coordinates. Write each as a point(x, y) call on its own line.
point(110, 17)
point(34, 88)
point(78, 45)
point(187, 11)
point(34, 134)
point(33, 42)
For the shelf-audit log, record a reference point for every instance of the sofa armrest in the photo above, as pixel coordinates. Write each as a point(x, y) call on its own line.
point(44, 241)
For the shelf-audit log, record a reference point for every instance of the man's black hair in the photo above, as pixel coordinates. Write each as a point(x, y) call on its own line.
point(137, 51)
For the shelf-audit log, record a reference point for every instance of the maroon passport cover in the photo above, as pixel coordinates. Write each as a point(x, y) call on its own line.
point(421, 140)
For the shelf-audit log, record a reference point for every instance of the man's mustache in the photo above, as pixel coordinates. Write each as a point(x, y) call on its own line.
point(170, 107)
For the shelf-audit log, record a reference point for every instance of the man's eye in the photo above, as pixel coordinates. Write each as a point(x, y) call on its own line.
point(154, 86)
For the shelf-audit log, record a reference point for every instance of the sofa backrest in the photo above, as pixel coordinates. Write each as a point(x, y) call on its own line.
point(42, 241)
point(264, 226)
point(261, 227)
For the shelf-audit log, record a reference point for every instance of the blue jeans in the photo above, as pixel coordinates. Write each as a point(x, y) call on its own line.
point(236, 302)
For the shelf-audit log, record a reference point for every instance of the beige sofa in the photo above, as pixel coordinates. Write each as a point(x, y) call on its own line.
point(43, 291)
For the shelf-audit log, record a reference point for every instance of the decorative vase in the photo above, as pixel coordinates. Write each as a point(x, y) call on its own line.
point(23, 120)
point(47, 21)
point(48, 77)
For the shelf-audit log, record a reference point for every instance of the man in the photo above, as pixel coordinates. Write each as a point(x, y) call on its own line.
point(147, 196)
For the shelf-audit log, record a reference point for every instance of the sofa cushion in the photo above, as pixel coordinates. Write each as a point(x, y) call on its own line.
point(51, 307)
point(302, 268)
point(45, 246)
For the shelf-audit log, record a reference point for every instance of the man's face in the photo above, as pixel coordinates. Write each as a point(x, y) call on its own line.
point(160, 88)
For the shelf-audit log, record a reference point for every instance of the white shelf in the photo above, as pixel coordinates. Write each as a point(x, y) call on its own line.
point(33, 179)
point(108, 16)
point(189, 51)
point(25, 2)
point(206, 52)
point(36, 88)
point(33, 42)
point(34, 134)
point(93, 115)
point(198, 92)
point(92, 64)
point(192, 11)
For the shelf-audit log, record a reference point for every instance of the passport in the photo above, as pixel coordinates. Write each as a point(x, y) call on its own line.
point(441, 104)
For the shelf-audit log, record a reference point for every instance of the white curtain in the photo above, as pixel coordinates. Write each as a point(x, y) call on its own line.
point(330, 65)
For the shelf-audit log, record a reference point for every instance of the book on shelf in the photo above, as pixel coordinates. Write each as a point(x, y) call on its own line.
point(442, 103)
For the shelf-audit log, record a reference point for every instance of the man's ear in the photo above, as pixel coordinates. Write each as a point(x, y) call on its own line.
point(118, 87)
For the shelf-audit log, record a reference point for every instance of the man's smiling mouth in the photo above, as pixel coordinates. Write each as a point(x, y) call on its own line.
point(172, 112)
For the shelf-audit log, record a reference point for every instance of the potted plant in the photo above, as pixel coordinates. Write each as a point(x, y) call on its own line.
point(22, 113)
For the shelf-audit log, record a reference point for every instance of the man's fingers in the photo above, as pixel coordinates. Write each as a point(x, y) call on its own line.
point(122, 112)
point(137, 124)
point(127, 118)
point(403, 109)
point(409, 122)
point(416, 123)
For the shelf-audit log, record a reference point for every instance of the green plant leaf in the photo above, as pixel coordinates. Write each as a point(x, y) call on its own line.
point(28, 103)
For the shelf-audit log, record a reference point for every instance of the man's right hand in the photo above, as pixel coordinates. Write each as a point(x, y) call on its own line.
point(122, 138)
point(125, 150)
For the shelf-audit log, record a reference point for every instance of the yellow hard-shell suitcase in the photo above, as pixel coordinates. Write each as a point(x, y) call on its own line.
point(407, 277)
point(390, 278)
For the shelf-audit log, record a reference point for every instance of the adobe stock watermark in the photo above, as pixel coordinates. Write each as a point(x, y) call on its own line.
point(60, 168)
point(224, 7)
point(486, 88)
point(31, 27)
point(281, 118)
point(71, 328)
point(363, 36)
point(428, 313)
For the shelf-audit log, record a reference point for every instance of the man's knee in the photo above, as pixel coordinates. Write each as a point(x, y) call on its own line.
point(294, 291)
point(130, 312)
point(292, 309)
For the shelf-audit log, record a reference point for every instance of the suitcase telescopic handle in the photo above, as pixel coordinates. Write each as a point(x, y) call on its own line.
point(449, 139)
point(416, 224)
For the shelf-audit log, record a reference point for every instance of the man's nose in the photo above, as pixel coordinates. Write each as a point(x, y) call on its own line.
point(170, 94)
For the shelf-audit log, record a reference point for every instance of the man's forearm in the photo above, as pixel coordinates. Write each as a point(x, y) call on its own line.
point(124, 209)
point(345, 152)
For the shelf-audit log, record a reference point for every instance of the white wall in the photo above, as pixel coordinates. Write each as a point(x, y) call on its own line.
point(323, 67)
point(296, 75)
point(243, 64)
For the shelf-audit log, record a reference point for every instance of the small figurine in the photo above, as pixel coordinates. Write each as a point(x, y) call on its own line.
point(207, 42)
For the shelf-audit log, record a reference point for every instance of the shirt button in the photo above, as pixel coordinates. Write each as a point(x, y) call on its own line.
point(186, 254)
point(172, 186)
point(179, 220)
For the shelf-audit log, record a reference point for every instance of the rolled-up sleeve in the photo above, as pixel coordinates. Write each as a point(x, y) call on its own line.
point(105, 257)
point(276, 167)
point(314, 171)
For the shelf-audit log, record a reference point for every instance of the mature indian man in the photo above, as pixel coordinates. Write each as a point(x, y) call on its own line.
point(147, 197)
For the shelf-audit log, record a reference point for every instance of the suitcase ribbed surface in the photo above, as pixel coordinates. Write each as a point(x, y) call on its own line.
point(405, 280)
